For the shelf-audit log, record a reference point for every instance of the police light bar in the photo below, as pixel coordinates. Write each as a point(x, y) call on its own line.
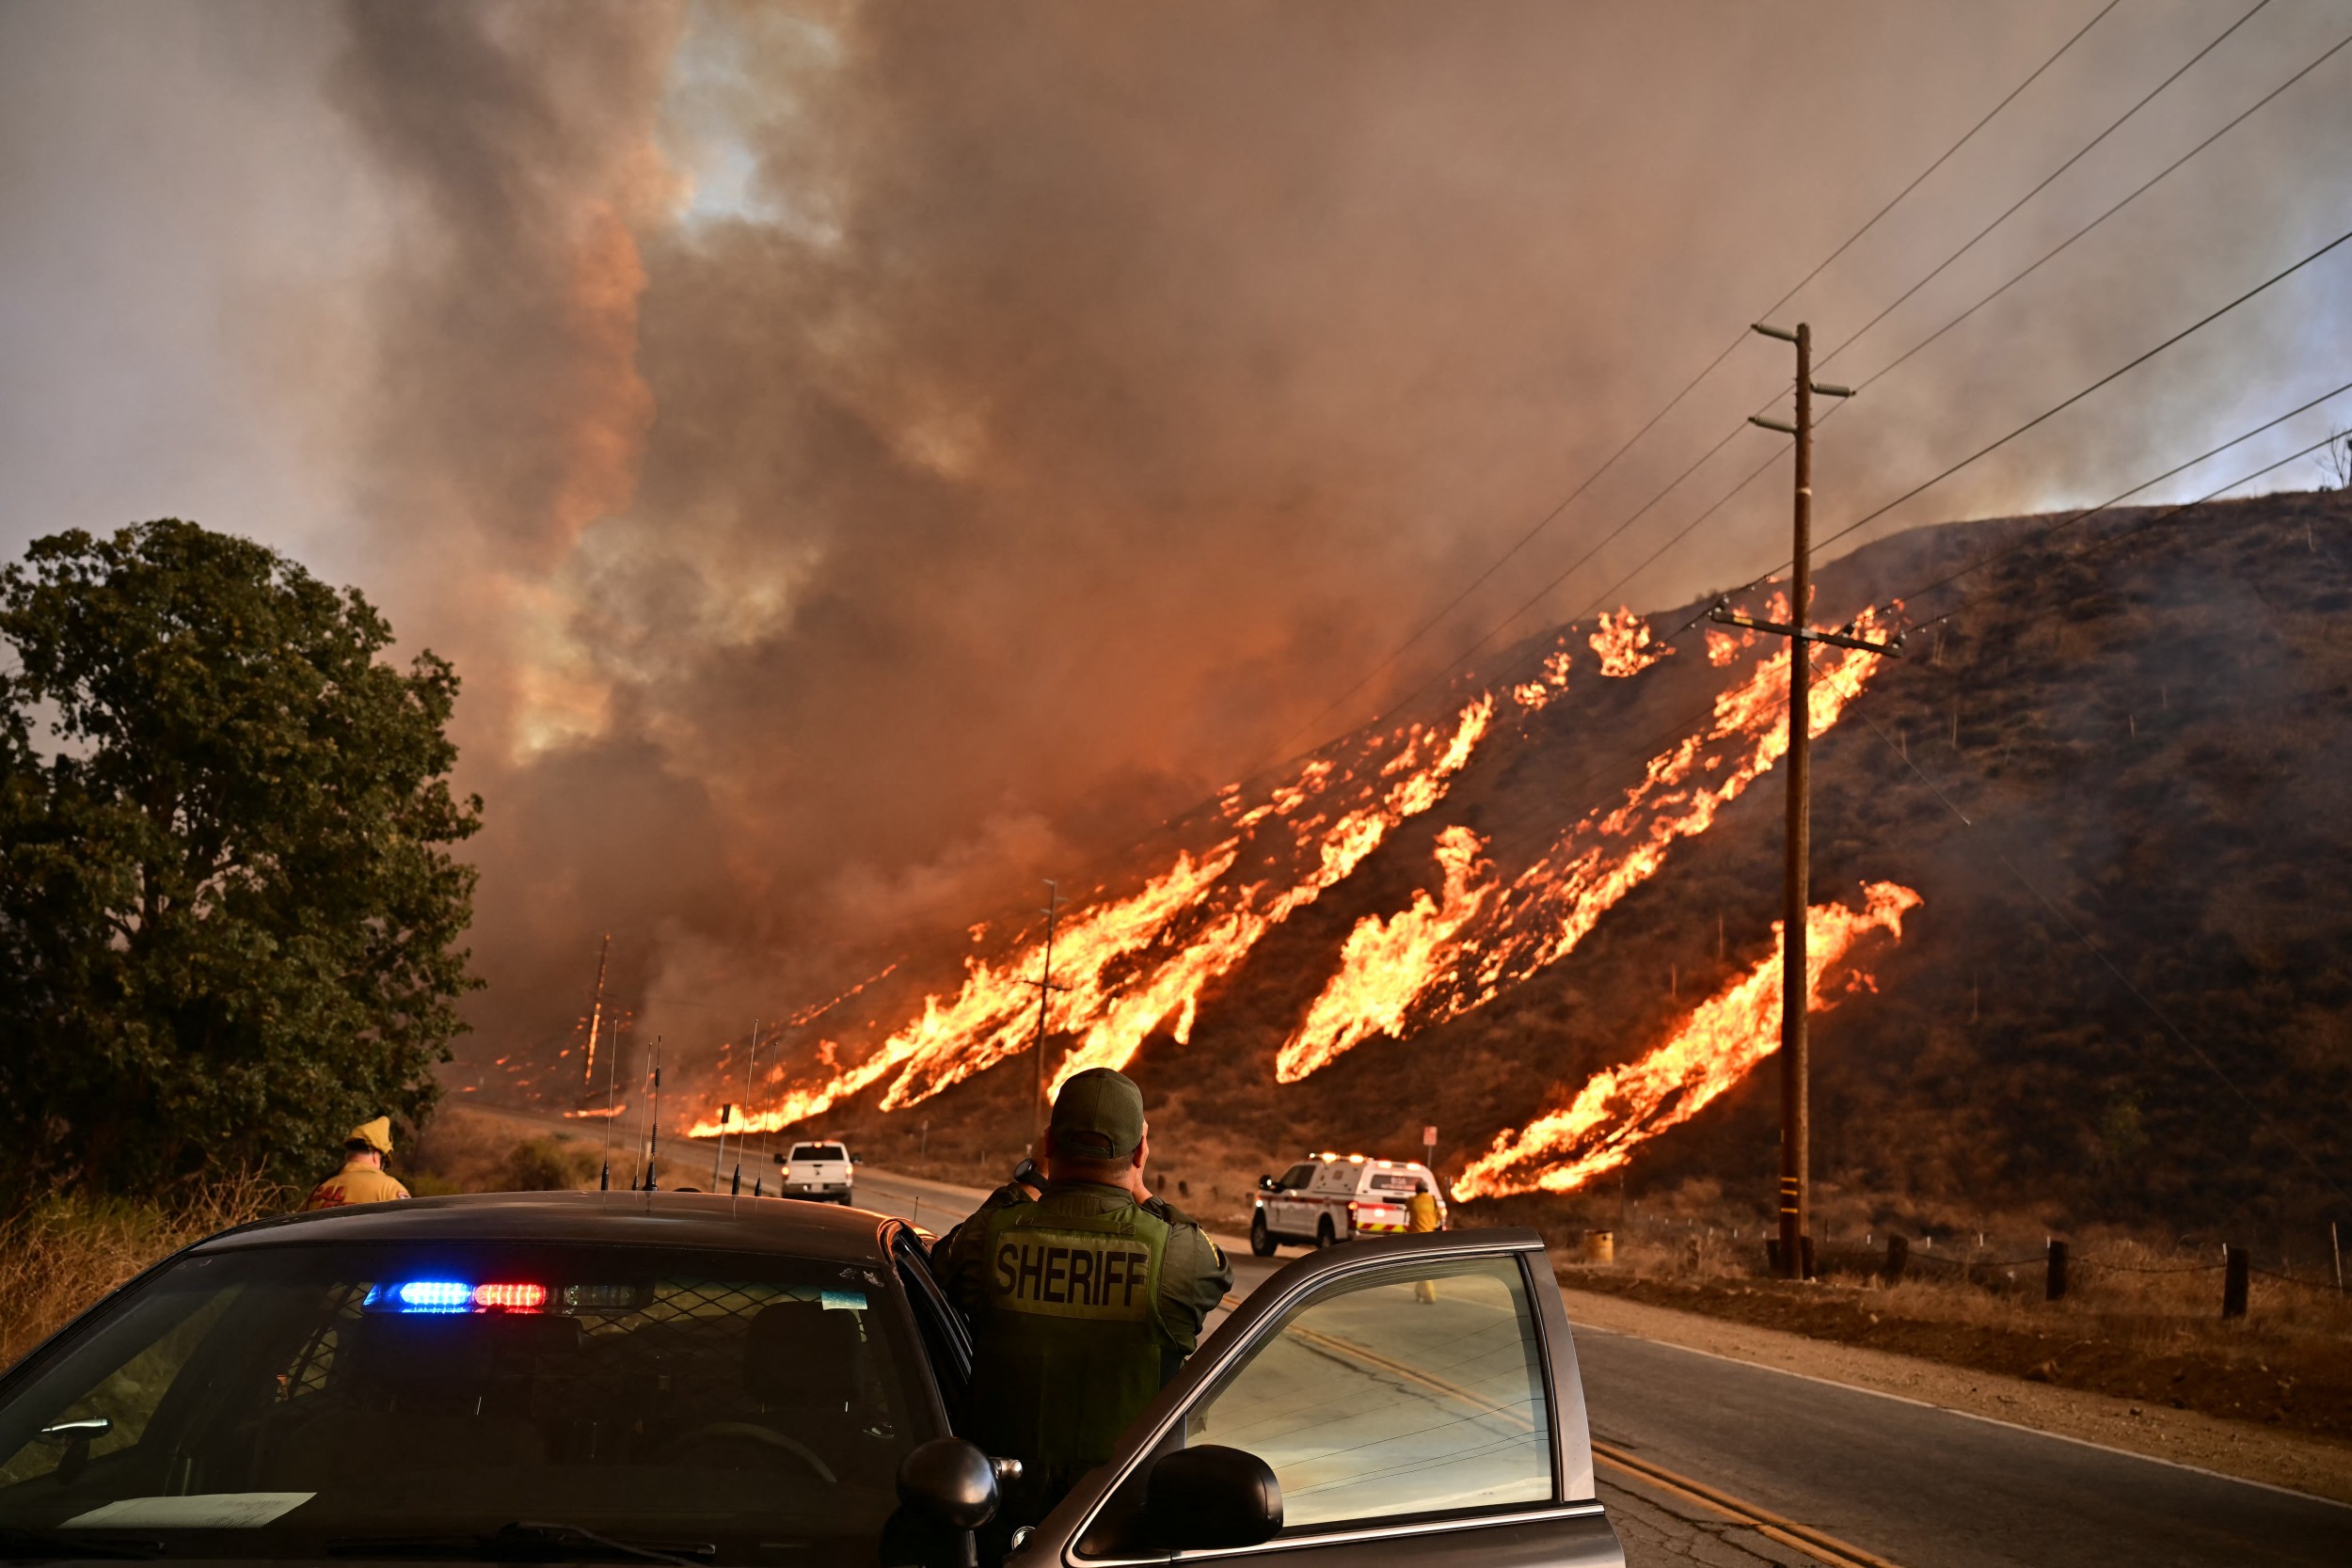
point(456, 1295)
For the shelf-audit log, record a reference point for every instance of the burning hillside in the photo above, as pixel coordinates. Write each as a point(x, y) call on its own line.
point(1541, 914)
point(1127, 966)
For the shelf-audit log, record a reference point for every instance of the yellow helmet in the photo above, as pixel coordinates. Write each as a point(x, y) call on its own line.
point(376, 1135)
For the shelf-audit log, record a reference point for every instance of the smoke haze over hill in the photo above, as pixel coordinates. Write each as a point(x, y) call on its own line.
point(864, 460)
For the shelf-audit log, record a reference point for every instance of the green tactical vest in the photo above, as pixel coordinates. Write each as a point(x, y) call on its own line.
point(1069, 1346)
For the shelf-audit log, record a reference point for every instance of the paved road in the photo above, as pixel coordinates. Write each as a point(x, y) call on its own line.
point(1911, 1484)
point(1919, 1487)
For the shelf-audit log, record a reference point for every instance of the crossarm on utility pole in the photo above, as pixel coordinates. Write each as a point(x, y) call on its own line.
point(1732, 618)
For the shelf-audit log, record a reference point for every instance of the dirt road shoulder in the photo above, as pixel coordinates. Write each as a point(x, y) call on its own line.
point(2316, 1466)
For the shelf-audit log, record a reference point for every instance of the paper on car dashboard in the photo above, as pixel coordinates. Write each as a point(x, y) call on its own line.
point(200, 1511)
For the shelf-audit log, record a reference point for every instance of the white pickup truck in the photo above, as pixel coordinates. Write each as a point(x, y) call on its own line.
point(818, 1172)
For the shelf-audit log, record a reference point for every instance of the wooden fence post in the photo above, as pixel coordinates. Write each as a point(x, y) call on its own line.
point(2053, 1281)
point(1897, 1256)
point(2234, 1280)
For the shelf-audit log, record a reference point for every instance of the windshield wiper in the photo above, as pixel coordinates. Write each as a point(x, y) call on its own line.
point(18, 1544)
point(527, 1540)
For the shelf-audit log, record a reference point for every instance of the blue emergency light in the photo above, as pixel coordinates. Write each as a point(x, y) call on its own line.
point(456, 1295)
point(433, 1295)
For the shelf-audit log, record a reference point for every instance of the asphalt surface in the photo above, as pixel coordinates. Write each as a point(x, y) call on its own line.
point(1913, 1484)
point(1907, 1484)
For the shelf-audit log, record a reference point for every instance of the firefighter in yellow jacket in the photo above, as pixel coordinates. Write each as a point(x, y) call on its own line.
point(1420, 1216)
point(363, 1179)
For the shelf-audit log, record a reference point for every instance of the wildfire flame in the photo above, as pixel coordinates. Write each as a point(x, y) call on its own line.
point(1624, 645)
point(1724, 1037)
point(1130, 965)
point(1535, 693)
point(1505, 935)
point(1354, 1005)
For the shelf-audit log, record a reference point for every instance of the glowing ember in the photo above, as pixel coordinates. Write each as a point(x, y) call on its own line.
point(1383, 987)
point(1624, 645)
point(1718, 1044)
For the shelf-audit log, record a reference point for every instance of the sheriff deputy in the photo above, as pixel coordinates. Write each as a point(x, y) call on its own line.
point(363, 1179)
point(1083, 1300)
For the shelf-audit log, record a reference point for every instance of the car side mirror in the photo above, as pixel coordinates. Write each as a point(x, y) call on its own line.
point(953, 1483)
point(781, 1158)
point(857, 1159)
point(1267, 1184)
point(1212, 1497)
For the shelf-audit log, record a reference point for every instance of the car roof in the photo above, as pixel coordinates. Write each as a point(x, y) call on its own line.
point(821, 1231)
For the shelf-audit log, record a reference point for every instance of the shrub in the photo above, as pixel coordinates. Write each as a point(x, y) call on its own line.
point(60, 1256)
point(547, 1165)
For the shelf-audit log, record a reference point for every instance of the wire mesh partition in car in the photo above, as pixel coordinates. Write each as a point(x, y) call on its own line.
point(1408, 1390)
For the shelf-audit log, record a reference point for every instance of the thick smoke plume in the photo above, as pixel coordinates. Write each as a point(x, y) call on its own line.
point(866, 459)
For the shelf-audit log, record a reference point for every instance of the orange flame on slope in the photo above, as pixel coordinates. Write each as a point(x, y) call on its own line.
point(1552, 906)
point(1554, 678)
point(1130, 965)
point(1376, 948)
point(1624, 645)
point(1724, 1037)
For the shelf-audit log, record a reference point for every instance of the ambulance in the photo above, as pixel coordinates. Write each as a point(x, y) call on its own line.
point(1326, 1198)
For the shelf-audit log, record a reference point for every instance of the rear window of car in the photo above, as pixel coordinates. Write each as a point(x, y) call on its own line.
point(1389, 1181)
point(403, 1401)
point(819, 1151)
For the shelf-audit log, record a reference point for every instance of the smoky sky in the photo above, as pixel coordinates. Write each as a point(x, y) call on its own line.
point(865, 459)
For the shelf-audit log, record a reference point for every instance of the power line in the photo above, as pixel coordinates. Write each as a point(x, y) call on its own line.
point(1496, 833)
point(2018, 277)
point(1674, 484)
point(2146, 524)
point(2083, 151)
point(1549, 517)
point(2128, 366)
point(1916, 490)
point(2042, 535)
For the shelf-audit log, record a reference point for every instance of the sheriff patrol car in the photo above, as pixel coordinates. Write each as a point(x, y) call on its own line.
point(703, 1380)
point(1328, 1199)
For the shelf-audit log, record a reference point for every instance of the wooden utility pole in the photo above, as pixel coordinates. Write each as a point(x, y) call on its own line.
point(1045, 989)
point(1795, 1118)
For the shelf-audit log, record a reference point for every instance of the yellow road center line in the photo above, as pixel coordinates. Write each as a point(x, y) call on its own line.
point(1805, 1538)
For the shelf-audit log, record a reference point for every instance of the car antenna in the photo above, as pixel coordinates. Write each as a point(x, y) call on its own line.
point(611, 1065)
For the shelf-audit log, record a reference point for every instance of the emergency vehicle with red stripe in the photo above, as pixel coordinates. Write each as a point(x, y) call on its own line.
point(1328, 1199)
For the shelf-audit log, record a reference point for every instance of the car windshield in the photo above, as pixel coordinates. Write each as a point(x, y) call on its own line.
point(394, 1401)
point(819, 1151)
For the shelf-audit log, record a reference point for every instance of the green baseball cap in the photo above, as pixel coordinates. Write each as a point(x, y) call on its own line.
point(1098, 1116)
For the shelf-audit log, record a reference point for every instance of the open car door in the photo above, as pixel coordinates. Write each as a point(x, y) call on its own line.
point(1413, 1399)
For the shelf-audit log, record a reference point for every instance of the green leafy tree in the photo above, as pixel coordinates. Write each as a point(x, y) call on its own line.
point(229, 913)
